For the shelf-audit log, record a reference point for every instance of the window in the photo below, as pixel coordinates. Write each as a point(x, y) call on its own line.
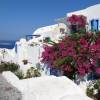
point(74, 28)
point(95, 25)
point(46, 39)
point(62, 30)
point(29, 37)
point(16, 48)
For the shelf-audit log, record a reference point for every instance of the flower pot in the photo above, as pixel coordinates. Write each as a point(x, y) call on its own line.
point(25, 62)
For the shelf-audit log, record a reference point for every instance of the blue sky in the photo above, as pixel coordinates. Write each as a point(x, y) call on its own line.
point(21, 17)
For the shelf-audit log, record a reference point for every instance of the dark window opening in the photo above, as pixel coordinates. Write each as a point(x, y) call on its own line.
point(74, 28)
point(46, 39)
point(62, 30)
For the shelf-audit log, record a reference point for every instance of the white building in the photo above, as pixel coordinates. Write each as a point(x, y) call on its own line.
point(51, 31)
point(32, 53)
point(31, 50)
point(27, 51)
point(92, 14)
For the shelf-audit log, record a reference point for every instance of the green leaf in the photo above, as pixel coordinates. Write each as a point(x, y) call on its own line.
point(62, 61)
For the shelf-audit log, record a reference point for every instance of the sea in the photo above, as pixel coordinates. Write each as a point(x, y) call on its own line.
point(9, 44)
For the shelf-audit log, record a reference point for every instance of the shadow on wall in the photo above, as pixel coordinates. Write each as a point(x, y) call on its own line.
point(7, 91)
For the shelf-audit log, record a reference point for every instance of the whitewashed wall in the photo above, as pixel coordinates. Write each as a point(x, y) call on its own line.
point(8, 55)
point(91, 12)
point(27, 52)
point(50, 31)
point(8, 91)
point(42, 88)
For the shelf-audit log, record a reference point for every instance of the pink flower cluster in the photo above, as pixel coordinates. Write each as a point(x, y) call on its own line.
point(80, 20)
point(74, 56)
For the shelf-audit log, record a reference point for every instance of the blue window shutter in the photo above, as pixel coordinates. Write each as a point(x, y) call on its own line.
point(95, 24)
point(91, 24)
point(16, 48)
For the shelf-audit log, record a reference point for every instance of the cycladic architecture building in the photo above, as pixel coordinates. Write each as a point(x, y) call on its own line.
point(30, 49)
point(92, 14)
point(51, 31)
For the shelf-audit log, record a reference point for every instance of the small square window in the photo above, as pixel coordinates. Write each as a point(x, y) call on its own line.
point(74, 28)
point(62, 30)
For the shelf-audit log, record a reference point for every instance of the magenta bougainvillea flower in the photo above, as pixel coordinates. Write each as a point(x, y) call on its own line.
point(74, 55)
point(80, 20)
point(71, 55)
point(98, 71)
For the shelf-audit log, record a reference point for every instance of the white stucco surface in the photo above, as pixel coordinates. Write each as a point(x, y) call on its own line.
point(7, 89)
point(50, 31)
point(91, 12)
point(7, 55)
point(41, 88)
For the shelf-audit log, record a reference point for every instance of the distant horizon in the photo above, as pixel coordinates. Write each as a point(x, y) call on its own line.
point(8, 40)
point(19, 18)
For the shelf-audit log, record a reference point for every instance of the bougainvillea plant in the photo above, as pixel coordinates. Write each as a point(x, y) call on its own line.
point(78, 20)
point(74, 55)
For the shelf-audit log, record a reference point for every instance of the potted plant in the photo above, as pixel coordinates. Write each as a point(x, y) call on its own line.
point(25, 61)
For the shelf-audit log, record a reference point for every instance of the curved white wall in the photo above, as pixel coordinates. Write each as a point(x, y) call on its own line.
point(91, 12)
point(50, 31)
